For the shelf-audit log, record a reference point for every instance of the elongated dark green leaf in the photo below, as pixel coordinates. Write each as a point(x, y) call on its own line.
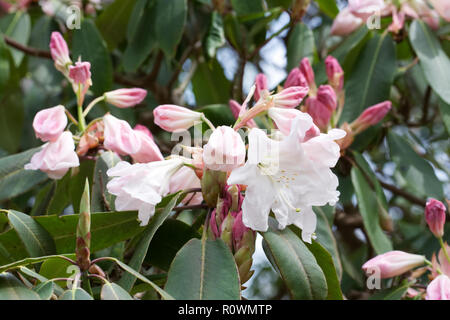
point(433, 60)
point(204, 270)
point(445, 114)
point(101, 199)
point(328, 7)
point(11, 120)
point(45, 290)
point(210, 85)
point(300, 45)
point(219, 114)
point(296, 264)
point(57, 289)
point(416, 171)
point(371, 80)
point(368, 208)
point(18, 27)
point(28, 261)
point(140, 252)
point(112, 291)
point(87, 42)
point(36, 239)
point(4, 65)
point(392, 293)
point(12, 289)
point(14, 179)
point(216, 35)
point(169, 24)
point(75, 294)
point(247, 7)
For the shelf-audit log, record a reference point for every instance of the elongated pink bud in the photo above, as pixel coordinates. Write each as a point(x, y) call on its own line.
point(148, 151)
point(119, 137)
point(48, 124)
point(295, 79)
point(442, 7)
point(173, 118)
point(365, 8)
point(398, 20)
point(125, 98)
point(261, 85)
point(60, 52)
point(435, 217)
point(236, 108)
point(308, 73)
point(335, 73)
point(371, 116)
point(81, 73)
point(345, 23)
point(144, 129)
point(322, 106)
point(439, 288)
point(290, 97)
point(393, 263)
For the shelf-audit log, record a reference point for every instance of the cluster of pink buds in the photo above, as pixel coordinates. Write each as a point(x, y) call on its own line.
point(396, 263)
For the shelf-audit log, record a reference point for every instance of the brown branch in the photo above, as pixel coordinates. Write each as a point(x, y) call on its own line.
point(190, 207)
point(403, 194)
point(28, 50)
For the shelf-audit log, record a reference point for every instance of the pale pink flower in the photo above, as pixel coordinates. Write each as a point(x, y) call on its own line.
point(290, 97)
point(119, 137)
point(261, 86)
point(173, 118)
point(435, 217)
point(125, 98)
point(393, 263)
point(365, 8)
point(236, 108)
point(185, 178)
point(144, 129)
point(225, 150)
point(55, 158)
point(148, 151)
point(81, 73)
point(398, 20)
point(59, 52)
point(48, 124)
point(442, 7)
point(345, 23)
point(440, 262)
point(284, 117)
point(439, 288)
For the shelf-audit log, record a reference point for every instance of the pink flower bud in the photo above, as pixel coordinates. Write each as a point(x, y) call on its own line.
point(125, 98)
point(322, 106)
point(224, 151)
point(398, 20)
point(442, 7)
point(48, 124)
point(80, 73)
point(148, 151)
point(371, 116)
point(365, 8)
point(185, 178)
point(144, 129)
point(236, 108)
point(213, 224)
point(345, 23)
point(59, 52)
point(307, 71)
point(393, 263)
point(174, 118)
point(435, 217)
point(295, 79)
point(261, 85)
point(238, 230)
point(290, 97)
point(335, 73)
point(119, 137)
point(439, 288)
point(56, 157)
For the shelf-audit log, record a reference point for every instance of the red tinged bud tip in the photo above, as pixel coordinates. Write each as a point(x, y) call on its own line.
point(435, 217)
point(295, 79)
point(261, 86)
point(335, 73)
point(371, 116)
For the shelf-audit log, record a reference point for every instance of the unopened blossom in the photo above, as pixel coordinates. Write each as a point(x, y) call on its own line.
point(225, 150)
point(371, 116)
point(236, 108)
point(295, 78)
point(365, 8)
point(120, 137)
point(55, 158)
point(281, 177)
point(185, 178)
point(322, 106)
point(335, 73)
point(174, 118)
point(81, 73)
point(398, 20)
point(439, 288)
point(393, 263)
point(141, 186)
point(345, 23)
point(48, 124)
point(440, 262)
point(59, 52)
point(125, 98)
point(308, 73)
point(148, 150)
point(290, 97)
point(442, 7)
point(261, 88)
point(435, 217)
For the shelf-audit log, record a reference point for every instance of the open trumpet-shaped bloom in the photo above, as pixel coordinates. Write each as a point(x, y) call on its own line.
point(281, 176)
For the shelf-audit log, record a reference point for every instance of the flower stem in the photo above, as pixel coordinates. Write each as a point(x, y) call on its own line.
point(92, 104)
point(81, 121)
point(209, 123)
point(428, 262)
point(444, 249)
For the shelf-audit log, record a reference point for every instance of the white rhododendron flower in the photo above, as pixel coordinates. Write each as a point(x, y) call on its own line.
point(288, 177)
point(141, 186)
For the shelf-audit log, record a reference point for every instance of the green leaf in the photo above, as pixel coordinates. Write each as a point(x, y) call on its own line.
point(215, 37)
point(300, 45)
point(210, 85)
point(4, 65)
point(204, 270)
point(11, 120)
point(433, 60)
point(87, 42)
point(297, 266)
point(140, 252)
point(218, 114)
point(45, 290)
point(395, 293)
point(57, 289)
point(56, 268)
point(247, 7)
point(17, 26)
point(36, 239)
point(416, 171)
point(168, 240)
point(169, 24)
point(14, 179)
point(445, 114)
point(371, 80)
point(102, 200)
point(77, 182)
point(328, 7)
point(28, 261)
point(12, 289)
point(113, 21)
point(369, 210)
point(75, 294)
point(112, 291)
